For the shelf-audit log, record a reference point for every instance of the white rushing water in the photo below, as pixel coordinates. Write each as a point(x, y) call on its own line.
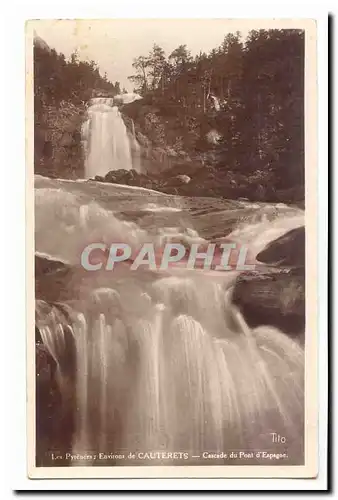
point(107, 143)
point(216, 102)
point(165, 361)
point(127, 98)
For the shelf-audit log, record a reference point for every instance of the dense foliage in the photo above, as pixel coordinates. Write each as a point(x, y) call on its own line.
point(247, 95)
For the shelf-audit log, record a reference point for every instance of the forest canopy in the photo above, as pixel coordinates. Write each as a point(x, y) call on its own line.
point(257, 85)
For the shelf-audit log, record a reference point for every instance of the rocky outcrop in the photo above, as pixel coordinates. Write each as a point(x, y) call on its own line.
point(52, 280)
point(276, 296)
point(169, 133)
point(288, 250)
point(54, 413)
point(272, 298)
point(188, 178)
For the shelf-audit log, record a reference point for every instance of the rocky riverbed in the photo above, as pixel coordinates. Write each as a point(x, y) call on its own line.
point(190, 179)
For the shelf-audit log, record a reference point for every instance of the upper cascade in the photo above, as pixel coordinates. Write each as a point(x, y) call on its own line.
point(107, 143)
point(127, 98)
point(107, 101)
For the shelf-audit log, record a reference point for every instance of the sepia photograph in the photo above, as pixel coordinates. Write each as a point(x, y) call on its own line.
point(170, 180)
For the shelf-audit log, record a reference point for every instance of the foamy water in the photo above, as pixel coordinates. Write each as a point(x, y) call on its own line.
point(165, 361)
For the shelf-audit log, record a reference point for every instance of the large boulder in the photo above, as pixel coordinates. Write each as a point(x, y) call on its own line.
point(121, 176)
point(52, 280)
point(276, 296)
point(276, 299)
point(288, 250)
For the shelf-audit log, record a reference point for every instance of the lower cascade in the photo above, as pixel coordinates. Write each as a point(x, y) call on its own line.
point(107, 143)
point(162, 367)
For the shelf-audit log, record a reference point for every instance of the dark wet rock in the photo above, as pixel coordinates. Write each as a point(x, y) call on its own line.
point(52, 280)
point(45, 365)
point(46, 266)
point(54, 413)
point(273, 298)
point(276, 296)
point(99, 178)
point(118, 176)
point(288, 250)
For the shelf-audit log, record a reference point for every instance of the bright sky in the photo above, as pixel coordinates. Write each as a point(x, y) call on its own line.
point(113, 44)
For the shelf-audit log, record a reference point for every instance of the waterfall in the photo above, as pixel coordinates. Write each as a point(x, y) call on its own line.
point(164, 362)
point(105, 138)
point(179, 376)
point(216, 102)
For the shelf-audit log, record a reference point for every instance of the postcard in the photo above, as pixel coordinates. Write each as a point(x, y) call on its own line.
point(171, 248)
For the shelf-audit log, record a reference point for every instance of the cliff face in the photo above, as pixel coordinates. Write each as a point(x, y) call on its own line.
point(169, 134)
point(57, 141)
point(181, 154)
